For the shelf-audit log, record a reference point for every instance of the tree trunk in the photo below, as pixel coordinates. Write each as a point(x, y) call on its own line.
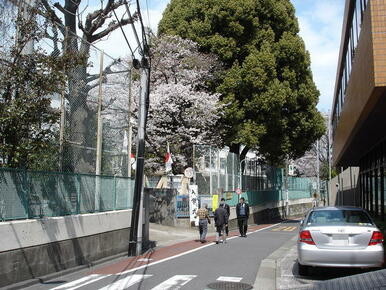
point(80, 155)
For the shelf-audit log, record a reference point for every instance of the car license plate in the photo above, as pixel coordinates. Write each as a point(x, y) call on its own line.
point(340, 240)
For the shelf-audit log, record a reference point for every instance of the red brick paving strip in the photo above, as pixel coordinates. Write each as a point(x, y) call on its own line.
point(162, 253)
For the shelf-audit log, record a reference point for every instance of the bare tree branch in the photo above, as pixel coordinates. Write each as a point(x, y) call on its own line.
point(111, 27)
point(61, 8)
point(51, 13)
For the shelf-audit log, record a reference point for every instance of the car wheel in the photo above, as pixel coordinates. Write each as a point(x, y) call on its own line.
point(303, 270)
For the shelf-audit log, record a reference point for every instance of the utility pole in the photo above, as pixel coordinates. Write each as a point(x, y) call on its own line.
point(317, 169)
point(129, 127)
point(329, 158)
point(286, 188)
point(135, 246)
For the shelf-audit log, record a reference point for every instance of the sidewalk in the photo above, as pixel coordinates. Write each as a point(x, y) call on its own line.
point(280, 271)
point(167, 235)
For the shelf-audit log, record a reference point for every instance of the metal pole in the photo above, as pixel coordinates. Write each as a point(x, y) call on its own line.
point(317, 169)
point(129, 128)
point(62, 115)
point(61, 131)
point(210, 170)
point(286, 189)
point(135, 246)
point(241, 177)
point(98, 167)
point(218, 171)
point(329, 159)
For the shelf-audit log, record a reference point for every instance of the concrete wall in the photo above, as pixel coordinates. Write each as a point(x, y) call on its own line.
point(265, 213)
point(347, 192)
point(32, 248)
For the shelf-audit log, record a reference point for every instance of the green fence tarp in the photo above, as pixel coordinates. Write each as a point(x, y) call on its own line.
point(30, 194)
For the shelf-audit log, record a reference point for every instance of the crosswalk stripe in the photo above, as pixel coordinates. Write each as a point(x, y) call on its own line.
point(125, 282)
point(81, 282)
point(229, 279)
point(175, 282)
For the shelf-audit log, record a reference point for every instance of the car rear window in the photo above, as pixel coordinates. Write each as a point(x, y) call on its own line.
point(329, 217)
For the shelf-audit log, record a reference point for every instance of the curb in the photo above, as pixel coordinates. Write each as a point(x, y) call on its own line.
point(269, 269)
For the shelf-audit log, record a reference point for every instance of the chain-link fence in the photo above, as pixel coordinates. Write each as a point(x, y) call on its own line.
point(85, 165)
point(91, 136)
point(218, 172)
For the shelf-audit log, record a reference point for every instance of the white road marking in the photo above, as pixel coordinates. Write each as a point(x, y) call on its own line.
point(145, 260)
point(229, 279)
point(175, 282)
point(125, 282)
point(81, 282)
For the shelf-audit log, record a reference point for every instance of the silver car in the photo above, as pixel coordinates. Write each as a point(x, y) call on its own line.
point(339, 237)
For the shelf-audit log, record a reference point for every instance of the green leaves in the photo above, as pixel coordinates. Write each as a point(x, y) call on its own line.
point(268, 90)
point(28, 120)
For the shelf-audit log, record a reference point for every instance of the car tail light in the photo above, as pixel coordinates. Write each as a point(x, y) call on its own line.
point(305, 237)
point(376, 238)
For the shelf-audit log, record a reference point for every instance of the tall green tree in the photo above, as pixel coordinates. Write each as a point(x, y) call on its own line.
point(268, 89)
point(28, 80)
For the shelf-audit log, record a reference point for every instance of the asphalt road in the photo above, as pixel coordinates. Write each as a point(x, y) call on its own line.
point(188, 265)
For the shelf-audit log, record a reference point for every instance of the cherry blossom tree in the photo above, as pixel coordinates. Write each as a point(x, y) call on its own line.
point(182, 110)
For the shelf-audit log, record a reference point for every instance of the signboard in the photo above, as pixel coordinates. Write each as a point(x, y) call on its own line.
point(239, 191)
point(228, 195)
point(214, 202)
point(193, 204)
point(189, 173)
point(291, 170)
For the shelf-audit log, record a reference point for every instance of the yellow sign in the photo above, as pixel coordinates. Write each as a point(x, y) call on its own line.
point(229, 195)
point(214, 201)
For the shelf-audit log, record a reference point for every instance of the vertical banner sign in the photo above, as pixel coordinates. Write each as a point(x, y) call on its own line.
point(193, 204)
point(214, 202)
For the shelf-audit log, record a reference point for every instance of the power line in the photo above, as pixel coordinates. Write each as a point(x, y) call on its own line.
point(134, 30)
point(147, 11)
point(142, 26)
point(124, 35)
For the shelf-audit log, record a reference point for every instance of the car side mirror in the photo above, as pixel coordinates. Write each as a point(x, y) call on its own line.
point(301, 222)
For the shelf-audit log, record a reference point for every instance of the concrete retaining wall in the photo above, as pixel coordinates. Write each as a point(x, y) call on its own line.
point(264, 213)
point(32, 248)
point(269, 212)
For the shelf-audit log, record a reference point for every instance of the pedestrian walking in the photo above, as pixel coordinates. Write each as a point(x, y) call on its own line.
point(203, 220)
point(242, 212)
point(224, 205)
point(221, 221)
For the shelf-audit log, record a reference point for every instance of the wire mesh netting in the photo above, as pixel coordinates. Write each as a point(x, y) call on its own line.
point(84, 165)
point(26, 194)
point(218, 172)
point(91, 77)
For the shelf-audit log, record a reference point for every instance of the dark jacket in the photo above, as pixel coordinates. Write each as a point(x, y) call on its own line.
point(227, 208)
point(220, 217)
point(246, 209)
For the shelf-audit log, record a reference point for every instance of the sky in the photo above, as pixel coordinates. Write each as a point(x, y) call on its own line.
point(320, 23)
